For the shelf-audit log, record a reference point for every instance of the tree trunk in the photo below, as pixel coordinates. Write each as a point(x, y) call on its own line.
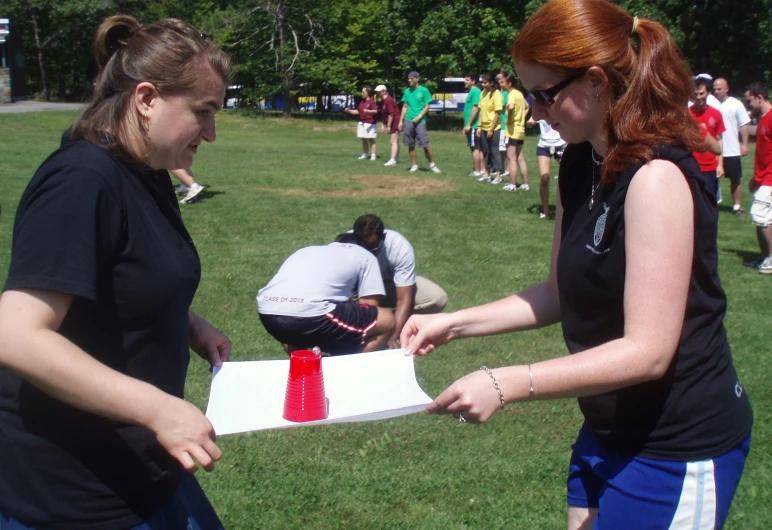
point(34, 18)
point(284, 71)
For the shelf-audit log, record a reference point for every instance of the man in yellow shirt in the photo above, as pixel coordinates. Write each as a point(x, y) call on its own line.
point(489, 128)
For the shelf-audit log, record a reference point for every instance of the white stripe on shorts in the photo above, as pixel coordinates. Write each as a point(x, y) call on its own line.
point(697, 505)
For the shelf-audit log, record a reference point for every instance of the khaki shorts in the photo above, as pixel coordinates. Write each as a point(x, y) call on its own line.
point(761, 209)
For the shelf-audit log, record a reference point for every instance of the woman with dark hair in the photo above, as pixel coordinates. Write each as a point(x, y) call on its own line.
point(95, 319)
point(366, 128)
point(516, 114)
point(489, 128)
point(633, 280)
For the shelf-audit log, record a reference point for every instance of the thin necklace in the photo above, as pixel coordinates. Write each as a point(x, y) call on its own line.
point(595, 187)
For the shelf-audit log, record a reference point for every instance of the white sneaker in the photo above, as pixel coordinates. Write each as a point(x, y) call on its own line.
point(435, 168)
point(496, 180)
point(363, 156)
point(193, 190)
point(474, 174)
point(505, 174)
point(182, 188)
point(523, 187)
point(483, 178)
point(413, 168)
point(766, 266)
point(509, 187)
point(372, 157)
point(390, 162)
point(555, 177)
point(542, 216)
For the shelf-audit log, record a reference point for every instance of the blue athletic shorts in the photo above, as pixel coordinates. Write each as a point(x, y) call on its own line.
point(634, 492)
point(471, 139)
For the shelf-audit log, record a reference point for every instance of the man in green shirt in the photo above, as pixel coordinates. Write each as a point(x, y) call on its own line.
point(415, 107)
point(471, 117)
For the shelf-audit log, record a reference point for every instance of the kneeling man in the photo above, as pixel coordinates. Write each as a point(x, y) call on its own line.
point(406, 292)
point(308, 302)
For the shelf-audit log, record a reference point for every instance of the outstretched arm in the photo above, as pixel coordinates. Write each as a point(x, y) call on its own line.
point(657, 273)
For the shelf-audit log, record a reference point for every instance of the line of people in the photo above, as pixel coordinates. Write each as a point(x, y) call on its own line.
point(411, 120)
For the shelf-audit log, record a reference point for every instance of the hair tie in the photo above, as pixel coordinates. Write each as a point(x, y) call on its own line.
point(635, 26)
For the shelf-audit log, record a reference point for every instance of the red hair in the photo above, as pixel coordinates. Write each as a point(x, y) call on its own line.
point(650, 82)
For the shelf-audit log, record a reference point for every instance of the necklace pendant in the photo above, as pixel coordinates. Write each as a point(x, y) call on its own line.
point(592, 201)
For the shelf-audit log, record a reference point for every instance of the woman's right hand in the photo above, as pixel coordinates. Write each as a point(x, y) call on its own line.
point(423, 333)
point(186, 434)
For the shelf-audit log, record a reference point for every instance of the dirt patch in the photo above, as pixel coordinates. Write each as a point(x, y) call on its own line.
point(374, 186)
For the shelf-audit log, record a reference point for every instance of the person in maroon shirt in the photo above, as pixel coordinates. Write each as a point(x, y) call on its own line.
point(711, 126)
point(390, 114)
point(366, 129)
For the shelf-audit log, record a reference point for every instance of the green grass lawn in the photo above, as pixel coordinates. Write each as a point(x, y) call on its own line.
point(276, 185)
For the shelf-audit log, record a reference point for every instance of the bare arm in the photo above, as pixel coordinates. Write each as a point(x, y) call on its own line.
point(657, 273)
point(423, 113)
point(744, 134)
point(472, 117)
point(31, 346)
point(405, 302)
point(402, 117)
point(713, 144)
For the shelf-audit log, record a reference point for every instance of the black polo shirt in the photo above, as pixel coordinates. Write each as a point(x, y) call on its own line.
point(111, 235)
point(699, 409)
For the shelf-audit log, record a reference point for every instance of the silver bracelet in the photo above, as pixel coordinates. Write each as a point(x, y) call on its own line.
point(531, 390)
point(495, 384)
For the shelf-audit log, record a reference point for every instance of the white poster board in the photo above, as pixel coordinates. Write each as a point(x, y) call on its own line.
point(249, 396)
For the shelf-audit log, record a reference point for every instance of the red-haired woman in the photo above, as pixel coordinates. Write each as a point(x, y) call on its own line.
point(633, 280)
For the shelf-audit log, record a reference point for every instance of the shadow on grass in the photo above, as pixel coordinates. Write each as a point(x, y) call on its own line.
point(743, 255)
point(535, 209)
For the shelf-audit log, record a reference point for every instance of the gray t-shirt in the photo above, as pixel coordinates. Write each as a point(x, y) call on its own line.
point(397, 260)
point(314, 279)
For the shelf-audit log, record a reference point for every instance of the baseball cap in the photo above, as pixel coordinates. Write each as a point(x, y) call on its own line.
point(413, 73)
point(380, 88)
point(707, 77)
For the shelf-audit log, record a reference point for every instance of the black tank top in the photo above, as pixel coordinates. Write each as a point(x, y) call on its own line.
point(699, 409)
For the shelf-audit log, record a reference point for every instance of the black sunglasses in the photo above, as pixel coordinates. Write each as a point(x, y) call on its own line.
point(546, 97)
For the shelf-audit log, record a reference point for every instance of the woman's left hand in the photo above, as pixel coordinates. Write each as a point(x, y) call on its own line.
point(473, 398)
point(208, 341)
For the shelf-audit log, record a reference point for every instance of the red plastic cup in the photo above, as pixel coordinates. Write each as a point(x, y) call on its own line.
point(305, 399)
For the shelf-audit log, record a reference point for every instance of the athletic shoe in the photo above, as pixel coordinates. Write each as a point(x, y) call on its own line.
point(523, 187)
point(182, 188)
point(435, 168)
point(483, 178)
point(363, 156)
point(193, 190)
point(738, 212)
point(555, 177)
point(372, 157)
point(509, 187)
point(505, 174)
point(766, 266)
point(754, 263)
point(390, 162)
point(413, 168)
point(542, 216)
point(496, 180)
point(474, 174)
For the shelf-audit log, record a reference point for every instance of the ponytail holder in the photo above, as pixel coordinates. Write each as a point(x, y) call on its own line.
point(635, 26)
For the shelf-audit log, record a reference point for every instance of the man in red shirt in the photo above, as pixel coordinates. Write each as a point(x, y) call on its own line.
point(391, 114)
point(761, 186)
point(711, 126)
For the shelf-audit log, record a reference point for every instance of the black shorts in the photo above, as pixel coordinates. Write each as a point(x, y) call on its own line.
point(556, 152)
point(733, 168)
point(341, 331)
point(512, 141)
